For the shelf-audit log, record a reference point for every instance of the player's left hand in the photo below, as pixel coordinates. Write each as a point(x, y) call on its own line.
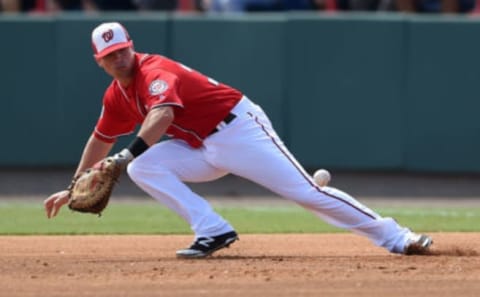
point(53, 203)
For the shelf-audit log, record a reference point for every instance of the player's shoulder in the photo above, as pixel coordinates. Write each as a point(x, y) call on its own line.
point(112, 92)
point(146, 60)
point(151, 66)
point(111, 87)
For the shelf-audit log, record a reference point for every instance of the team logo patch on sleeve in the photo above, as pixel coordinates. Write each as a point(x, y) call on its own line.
point(157, 87)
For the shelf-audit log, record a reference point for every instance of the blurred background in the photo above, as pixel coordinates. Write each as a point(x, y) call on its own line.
point(228, 6)
point(383, 93)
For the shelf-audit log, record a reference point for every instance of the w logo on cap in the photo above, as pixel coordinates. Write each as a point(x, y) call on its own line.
point(108, 35)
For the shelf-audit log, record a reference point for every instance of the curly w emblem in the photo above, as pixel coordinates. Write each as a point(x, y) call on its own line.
point(108, 35)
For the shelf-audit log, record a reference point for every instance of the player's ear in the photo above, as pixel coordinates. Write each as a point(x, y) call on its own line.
point(99, 61)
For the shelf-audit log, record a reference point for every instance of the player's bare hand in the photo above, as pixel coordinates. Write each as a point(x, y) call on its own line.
point(53, 203)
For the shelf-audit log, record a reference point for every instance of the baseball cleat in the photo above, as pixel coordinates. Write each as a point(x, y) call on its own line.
point(417, 244)
point(205, 246)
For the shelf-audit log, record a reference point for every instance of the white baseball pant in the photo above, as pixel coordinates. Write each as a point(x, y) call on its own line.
point(250, 148)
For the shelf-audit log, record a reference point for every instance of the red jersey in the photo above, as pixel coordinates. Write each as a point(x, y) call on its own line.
point(200, 103)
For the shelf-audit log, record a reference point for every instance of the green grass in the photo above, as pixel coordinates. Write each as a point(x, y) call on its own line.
point(151, 218)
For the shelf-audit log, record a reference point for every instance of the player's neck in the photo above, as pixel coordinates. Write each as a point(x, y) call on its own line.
point(125, 82)
point(126, 79)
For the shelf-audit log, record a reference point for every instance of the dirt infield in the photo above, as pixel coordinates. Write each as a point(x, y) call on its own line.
point(257, 265)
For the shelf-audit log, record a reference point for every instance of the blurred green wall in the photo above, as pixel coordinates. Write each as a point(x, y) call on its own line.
point(356, 91)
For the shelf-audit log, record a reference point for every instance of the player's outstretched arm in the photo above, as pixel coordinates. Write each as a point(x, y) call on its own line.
point(94, 151)
point(153, 128)
point(53, 203)
point(156, 124)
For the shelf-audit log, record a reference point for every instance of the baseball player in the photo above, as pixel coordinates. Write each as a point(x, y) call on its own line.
point(214, 130)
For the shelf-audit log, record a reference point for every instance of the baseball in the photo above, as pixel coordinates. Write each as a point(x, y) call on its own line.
point(321, 177)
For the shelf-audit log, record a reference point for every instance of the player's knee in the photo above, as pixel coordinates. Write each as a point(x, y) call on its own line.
point(138, 170)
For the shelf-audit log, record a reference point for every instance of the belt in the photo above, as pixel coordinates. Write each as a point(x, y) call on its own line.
point(227, 120)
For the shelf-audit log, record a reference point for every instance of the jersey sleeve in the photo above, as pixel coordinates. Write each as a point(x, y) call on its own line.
point(161, 89)
point(112, 122)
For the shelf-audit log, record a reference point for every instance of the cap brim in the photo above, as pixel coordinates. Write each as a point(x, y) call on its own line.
point(113, 48)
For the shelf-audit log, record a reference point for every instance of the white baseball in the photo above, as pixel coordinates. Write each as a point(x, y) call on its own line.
point(322, 177)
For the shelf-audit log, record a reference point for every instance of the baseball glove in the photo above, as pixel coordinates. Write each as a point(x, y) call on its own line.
point(91, 190)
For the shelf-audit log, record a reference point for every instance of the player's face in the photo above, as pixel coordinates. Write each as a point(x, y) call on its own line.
point(119, 63)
